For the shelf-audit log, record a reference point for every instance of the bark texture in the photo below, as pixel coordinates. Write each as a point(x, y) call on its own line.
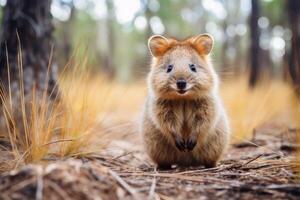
point(294, 54)
point(32, 21)
point(254, 48)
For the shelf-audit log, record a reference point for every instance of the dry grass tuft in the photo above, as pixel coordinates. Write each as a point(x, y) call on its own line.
point(74, 123)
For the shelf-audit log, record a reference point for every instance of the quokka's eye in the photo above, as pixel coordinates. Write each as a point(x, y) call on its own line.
point(193, 68)
point(169, 69)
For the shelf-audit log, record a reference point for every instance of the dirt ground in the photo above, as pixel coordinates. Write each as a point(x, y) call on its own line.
point(264, 168)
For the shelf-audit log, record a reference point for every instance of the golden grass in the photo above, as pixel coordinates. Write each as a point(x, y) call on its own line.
point(28, 123)
point(68, 125)
point(250, 108)
point(90, 103)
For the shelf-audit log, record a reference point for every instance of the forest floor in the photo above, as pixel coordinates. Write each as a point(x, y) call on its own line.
point(265, 168)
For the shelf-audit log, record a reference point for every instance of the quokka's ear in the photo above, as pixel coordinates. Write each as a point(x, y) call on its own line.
point(202, 43)
point(158, 45)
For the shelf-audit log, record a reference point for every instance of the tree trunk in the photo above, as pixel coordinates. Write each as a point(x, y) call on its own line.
point(255, 67)
point(225, 45)
point(31, 21)
point(294, 54)
point(109, 60)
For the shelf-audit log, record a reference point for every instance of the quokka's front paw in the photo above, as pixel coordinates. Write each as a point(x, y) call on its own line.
point(190, 144)
point(180, 143)
point(183, 145)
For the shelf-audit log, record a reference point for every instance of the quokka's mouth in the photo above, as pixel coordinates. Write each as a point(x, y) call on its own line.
point(181, 91)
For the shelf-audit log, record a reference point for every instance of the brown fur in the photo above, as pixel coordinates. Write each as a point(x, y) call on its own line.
point(196, 116)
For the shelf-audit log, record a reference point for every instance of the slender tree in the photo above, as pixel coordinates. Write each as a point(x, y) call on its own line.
point(65, 42)
point(148, 14)
point(255, 67)
point(294, 54)
point(109, 59)
point(27, 26)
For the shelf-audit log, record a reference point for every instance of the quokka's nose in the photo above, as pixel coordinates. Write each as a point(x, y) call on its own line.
point(181, 84)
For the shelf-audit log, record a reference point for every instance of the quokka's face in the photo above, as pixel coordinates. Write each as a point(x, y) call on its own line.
point(181, 69)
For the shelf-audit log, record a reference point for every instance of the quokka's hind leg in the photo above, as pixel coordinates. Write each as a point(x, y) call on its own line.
point(207, 157)
point(159, 148)
point(163, 156)
point(210, 152)
point(210, 163)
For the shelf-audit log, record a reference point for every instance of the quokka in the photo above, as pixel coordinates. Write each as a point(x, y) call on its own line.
point(184, 122)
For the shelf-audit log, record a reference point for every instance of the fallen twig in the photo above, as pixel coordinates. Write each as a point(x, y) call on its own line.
point(253, 159)
point(152, 188)
point(39, 184)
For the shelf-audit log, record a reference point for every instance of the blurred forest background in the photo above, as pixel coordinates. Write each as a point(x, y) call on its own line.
point(72, 84)
point(253, 35)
